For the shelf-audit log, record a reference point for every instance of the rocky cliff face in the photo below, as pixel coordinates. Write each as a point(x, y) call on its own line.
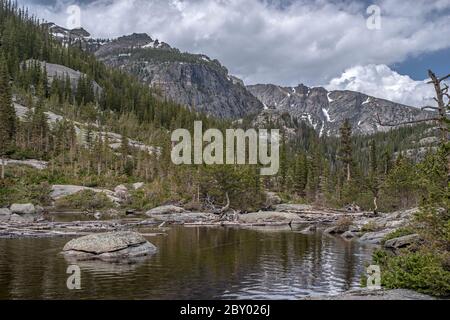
point(326, 110)
point(189, 79)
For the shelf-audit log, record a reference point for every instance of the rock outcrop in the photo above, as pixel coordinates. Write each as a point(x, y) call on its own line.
point(25, 208)
point(326, 110)
point(167, 209)
point(402, 242)
point(61, 191)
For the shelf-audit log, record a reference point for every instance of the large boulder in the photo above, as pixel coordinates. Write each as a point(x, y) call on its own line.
point(402, 242)
point(121, 192)
point(165, 210)
point(24, 218)
point(26, 208)
point(109, 246)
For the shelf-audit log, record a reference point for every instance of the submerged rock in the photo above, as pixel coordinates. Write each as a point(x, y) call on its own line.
point(165, 210)
point(109, 246)
point(309, 229)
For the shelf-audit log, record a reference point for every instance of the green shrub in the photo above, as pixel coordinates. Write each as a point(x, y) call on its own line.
point(421, 271)
point(84, 200)
point(370, 227)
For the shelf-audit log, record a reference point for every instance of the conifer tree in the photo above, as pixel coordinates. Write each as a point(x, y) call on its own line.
point(7, 114)
point(346, 152)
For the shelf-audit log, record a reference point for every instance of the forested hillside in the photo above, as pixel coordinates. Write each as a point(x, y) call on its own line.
point(323, 170)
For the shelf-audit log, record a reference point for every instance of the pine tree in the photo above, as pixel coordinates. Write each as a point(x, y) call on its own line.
point(7, 114)
point(346, 152)
point(373, 178)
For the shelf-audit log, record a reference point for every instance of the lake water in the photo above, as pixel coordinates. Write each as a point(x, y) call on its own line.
point(192, 263)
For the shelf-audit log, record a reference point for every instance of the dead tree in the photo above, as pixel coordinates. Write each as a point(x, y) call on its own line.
point(442, 109)
point(224, 209)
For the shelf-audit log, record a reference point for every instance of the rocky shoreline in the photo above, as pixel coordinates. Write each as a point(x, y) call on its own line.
point(26, 220)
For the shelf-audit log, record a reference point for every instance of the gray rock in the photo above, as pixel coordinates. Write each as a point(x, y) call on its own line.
point(375, 237)
point(40, 165)
point(109, 246)
point(61, 191)
point(5, 214)
point(180, 218)
point(309, 230)
point(348, 235)
point(98, 215)
point(165, 210)
point(268, 216)
point(24, 218)
point(352, 208)
point(288, 207)
point(39, 209)
point(331, 230)
point(121, 192)
point(272, 199)
point(402, 242)
point(138, 185)
point(26, 208)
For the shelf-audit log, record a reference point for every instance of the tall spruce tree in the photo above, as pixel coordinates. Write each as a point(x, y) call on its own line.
point(374, 179)
point(7, 114)
point(346, 152)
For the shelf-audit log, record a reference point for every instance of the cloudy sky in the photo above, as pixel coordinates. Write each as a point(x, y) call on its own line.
point(339, 44)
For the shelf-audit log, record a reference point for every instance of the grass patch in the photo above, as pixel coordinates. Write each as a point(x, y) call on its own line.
point(85, 200)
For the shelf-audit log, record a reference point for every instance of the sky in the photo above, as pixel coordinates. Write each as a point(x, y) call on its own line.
point(380, 47)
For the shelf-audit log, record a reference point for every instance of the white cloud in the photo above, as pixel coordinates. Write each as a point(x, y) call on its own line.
point(268, 41)
point(382, 82)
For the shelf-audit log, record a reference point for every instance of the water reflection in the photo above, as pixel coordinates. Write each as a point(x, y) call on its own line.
point(192, 263)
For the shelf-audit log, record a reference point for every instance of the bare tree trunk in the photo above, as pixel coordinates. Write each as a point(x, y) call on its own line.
point(348, 172)
point(3, 168)
point(375, 202)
